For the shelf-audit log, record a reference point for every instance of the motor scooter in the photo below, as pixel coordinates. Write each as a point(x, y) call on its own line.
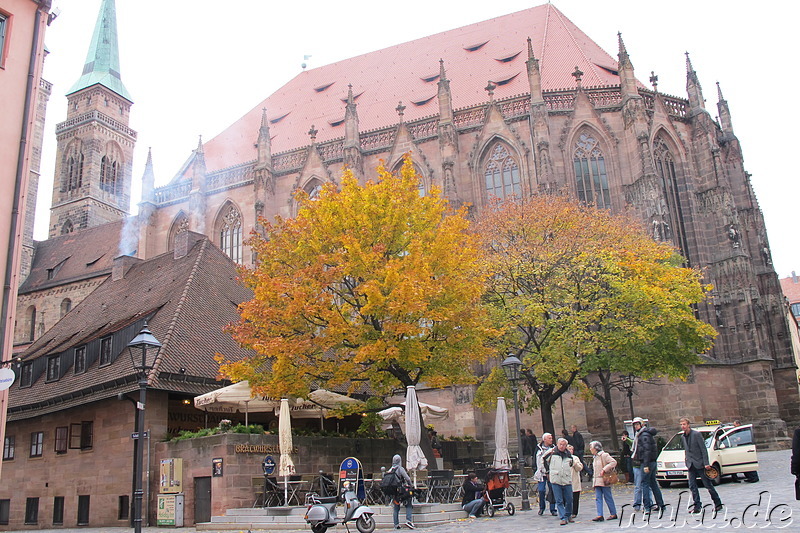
point(321, 511)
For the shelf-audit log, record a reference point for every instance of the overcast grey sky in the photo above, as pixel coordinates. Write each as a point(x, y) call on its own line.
point(193, 67)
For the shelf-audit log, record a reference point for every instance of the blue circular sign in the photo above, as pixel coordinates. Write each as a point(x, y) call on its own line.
point(269, 465)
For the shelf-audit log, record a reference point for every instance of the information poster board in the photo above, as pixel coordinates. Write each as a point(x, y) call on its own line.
point(216, 467)
point(170, 478)
point(165, 513)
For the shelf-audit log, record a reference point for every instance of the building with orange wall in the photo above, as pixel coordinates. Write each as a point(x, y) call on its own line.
point(22, 29)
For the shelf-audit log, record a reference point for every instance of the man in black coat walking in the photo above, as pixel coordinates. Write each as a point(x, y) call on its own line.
point(580, 446)
point(795, 467)
point(694, 446)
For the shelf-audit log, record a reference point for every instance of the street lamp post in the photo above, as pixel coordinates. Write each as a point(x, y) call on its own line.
point(512, 366)
point(144, 341)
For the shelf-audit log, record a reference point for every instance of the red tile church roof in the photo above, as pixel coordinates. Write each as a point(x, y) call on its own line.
point(495, 49)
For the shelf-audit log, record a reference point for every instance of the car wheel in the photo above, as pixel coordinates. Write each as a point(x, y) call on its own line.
point(664, 484)
point(714, 474)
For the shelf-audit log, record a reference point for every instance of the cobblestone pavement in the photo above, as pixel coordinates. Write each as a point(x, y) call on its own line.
point(768, 505)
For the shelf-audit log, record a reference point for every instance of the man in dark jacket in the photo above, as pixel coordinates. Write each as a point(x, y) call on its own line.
point(694, 446)
point(795, 466)
point(580, 446)
point(527, 449)
point(645, 453)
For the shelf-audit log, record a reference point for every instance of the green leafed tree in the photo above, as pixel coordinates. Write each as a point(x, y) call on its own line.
point(576, 290)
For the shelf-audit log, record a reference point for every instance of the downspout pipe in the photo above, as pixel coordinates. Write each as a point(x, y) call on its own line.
point(19, 178)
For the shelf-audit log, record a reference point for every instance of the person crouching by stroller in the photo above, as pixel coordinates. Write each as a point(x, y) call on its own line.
point(472, 502)
point(603, 464)
point(577, 466)
point(561, 467)
point(404, 500)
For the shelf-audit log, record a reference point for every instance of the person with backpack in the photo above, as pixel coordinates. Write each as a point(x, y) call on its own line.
point(396, 484)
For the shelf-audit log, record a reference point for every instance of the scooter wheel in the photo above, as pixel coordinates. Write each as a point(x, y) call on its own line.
point(511, 509)
point(319, 528)
point(365, 523)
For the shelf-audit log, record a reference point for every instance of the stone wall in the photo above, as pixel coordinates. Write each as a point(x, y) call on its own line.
point(243, 454)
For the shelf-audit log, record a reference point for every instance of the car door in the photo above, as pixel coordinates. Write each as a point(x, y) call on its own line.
point(738, 450)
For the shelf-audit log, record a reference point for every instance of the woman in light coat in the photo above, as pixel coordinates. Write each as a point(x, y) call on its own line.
point(603, 464)
point(577, 466)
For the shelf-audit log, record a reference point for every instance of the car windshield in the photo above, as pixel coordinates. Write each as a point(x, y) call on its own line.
point(676, 442)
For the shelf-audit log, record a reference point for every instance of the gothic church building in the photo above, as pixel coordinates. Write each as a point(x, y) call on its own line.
point(516, 105)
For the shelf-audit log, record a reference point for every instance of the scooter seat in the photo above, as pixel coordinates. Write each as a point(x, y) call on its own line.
point(327, 499)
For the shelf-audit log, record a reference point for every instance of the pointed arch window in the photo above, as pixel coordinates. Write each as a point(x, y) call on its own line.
point(108, 175)
point(672, 210)
point(66, 306)
point(31, 323)
point(590, 172)
point(421, 189)
point(180, 225)
point(230, 234)
point(502, 174)
point(73, 180)
point(313, 189)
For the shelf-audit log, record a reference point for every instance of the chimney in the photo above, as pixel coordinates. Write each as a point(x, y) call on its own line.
point(184, 241)
point(794, 277)
point(120, 266)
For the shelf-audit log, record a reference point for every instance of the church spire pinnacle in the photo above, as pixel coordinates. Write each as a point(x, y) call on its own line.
point(724, 113)
point(102, 60)
point(148, 178)
point(695, 92)
point(534, 76)
point(444, 96)
point(351, 120)
point(627, 79)
point(264, 143)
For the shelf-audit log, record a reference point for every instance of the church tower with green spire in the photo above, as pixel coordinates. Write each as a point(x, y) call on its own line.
point(92, 182)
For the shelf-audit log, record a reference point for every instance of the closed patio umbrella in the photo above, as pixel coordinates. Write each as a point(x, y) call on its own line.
point(501, 457)
point(415, 458)
point(285, 466)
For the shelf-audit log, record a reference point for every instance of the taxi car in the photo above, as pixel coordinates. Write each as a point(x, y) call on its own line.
point(731, 451)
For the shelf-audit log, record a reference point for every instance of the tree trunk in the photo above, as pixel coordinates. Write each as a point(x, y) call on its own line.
point(546, 408)
point(609, 406)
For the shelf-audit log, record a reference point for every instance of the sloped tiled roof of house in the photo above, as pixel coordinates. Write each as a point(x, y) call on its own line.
point(187, 301)
point(494, 49)
point(73, 257)
point(791, 288)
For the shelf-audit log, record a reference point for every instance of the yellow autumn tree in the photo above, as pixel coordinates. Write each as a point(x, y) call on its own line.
point(576, 291)
point(368, 284)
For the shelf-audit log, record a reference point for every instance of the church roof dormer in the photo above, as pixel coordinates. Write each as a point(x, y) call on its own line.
point(102, 60)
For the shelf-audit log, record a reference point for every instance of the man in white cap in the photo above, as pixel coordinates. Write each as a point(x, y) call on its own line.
point(643, 454)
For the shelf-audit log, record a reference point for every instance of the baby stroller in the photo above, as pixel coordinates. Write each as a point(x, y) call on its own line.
point(497, 481)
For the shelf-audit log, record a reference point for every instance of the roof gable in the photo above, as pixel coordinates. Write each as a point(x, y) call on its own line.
point(187, 302)
point(73, 257)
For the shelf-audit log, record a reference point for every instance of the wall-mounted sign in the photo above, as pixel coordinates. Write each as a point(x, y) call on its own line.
point(260, 448)
point(171, 475)
point(269, 465)
point(216, 467)
point(6, 378)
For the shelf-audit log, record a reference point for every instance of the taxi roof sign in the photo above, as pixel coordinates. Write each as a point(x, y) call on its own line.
point(713, 422)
